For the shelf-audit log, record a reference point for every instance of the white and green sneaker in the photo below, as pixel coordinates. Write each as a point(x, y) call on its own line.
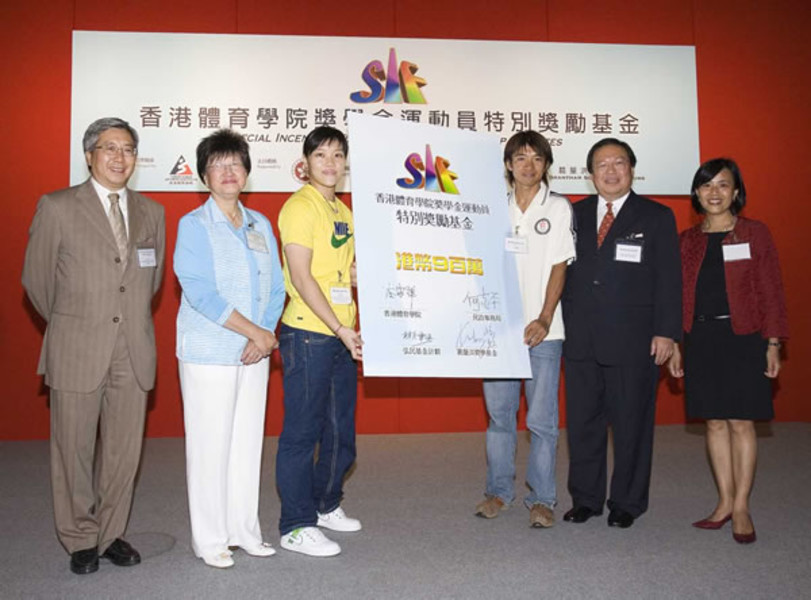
point(310, 541)
point(338, 521)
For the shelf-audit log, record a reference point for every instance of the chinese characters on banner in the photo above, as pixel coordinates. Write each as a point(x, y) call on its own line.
point(275, 89)
point(438, 293)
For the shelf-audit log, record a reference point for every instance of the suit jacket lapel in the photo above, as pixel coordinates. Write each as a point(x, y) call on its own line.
point(91, 205)
point(135, 215)
point(136, 220)
point(587, 225)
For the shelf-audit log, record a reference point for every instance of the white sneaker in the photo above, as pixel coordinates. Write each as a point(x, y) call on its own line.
point(222, 560)
point(262, 549)
point(338, 521)
point(310, 541)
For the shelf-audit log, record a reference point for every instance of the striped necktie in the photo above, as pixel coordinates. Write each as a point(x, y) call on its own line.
point(119, 230)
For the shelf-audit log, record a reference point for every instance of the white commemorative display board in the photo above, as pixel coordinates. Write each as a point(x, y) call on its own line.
point(438, 293)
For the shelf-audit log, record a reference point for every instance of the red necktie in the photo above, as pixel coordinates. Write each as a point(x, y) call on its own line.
point(605, 225)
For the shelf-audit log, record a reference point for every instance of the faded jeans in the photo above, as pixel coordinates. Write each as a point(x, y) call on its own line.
point(502, 397)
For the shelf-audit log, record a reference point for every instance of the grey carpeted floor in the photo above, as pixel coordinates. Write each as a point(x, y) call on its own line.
point(415, 495)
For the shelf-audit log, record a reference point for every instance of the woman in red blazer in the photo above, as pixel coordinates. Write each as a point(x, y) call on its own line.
point(734, 318)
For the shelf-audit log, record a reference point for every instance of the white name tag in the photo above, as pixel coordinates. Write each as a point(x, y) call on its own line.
point(256, 241)
point(147, 258)
point(340, 294)
point(628, 252)
point(736, 252)
point(516, 244)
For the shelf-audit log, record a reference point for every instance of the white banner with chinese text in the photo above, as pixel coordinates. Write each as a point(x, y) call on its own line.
point(177, 88)
point(438, 293)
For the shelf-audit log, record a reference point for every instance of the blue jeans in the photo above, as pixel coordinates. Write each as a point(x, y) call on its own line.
point(502, 397)
point(320, 392)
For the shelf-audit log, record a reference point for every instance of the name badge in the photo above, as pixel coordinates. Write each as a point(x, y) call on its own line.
point(628, 252)
point(340, 294)
point(256, 241)
point(516, 244)
point(147, 258)
point(736, 252)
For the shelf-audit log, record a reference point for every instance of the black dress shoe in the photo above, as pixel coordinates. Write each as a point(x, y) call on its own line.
point(620, 518)
point(121, 554)
point(85, 561)
point(581, 514)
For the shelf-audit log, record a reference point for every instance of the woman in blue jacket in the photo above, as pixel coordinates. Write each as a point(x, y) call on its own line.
point(227, 262)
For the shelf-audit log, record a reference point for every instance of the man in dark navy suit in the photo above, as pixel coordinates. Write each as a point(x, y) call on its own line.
point(622, 312)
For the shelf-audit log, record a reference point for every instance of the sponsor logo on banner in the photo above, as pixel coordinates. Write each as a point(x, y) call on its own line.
point(396, 85)
point(181, 167)
point(145, 162)
point(298, 171)
point(268, 163)
point(181, 173)
point(429, 174)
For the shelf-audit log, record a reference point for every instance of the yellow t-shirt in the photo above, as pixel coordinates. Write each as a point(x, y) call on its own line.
point(326, 228)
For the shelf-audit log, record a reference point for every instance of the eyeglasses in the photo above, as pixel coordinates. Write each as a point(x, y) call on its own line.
point(234, 167)
point(113, 150)
point(619, 164)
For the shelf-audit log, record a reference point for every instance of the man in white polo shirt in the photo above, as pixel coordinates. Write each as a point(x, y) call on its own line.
point(543, 245)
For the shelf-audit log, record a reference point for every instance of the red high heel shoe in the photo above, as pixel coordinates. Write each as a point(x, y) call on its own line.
point(708, 524)
point(745, 538)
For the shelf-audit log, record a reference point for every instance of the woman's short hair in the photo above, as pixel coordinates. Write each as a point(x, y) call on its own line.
point(528, 139)
point(610, 142)
point(324, 135)
point(222, 143)
point(707, 171)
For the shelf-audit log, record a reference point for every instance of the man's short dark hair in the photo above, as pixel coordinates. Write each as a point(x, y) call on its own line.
point(222, 143)
point(99, 126)
point(707, 171)
point(324, 135)
point(528, 139)
point(609, 142)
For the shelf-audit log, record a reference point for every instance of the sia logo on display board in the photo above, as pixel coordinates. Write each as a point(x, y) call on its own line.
point(397, 85)
point(430, 175)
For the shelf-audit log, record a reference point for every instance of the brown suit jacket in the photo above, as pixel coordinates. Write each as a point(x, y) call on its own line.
point(75, 281)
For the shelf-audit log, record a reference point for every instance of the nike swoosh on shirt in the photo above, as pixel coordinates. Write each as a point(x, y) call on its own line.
point(336, 243)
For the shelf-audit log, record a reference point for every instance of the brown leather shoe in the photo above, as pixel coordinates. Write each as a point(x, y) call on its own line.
point(541, 515)
point(490, 507)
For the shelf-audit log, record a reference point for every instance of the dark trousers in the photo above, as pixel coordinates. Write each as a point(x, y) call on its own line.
point(320, 392)
point(623, 398)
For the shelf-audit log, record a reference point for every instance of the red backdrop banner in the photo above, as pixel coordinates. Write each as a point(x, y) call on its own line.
point(754, 87)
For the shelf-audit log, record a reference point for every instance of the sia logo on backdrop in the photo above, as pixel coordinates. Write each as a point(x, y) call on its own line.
point(400, 85)
point(430, 175)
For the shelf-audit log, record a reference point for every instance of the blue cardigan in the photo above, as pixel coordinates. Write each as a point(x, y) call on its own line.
point(220, 273)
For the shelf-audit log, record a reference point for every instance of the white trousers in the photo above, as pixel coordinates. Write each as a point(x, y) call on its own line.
point(224, 416)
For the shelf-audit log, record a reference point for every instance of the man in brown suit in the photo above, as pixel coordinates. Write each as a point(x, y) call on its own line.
point(93, 263)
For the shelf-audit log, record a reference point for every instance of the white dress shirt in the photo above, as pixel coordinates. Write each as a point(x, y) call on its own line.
point(616, 207)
